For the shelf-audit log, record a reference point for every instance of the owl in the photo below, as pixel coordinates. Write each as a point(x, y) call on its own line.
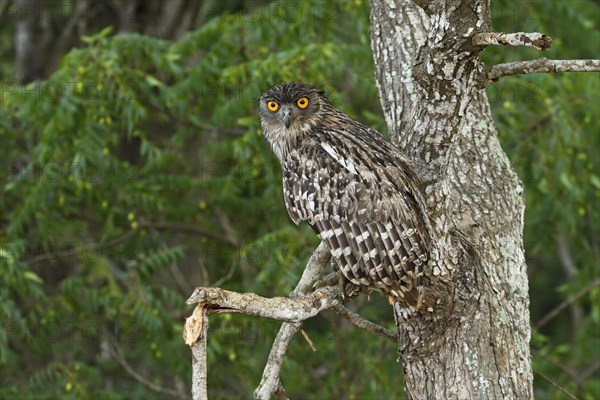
point(356, 190)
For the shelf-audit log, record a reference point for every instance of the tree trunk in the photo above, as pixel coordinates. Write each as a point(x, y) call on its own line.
point(471, 340)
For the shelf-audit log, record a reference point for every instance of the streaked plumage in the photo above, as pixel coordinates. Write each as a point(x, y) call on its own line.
point(355, 189)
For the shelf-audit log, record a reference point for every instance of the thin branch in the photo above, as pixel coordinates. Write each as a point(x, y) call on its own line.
point(117, 353)
point(571, 373)
point(175, 271)
point(179, 278)
point(235, 131)
point(308, 340)
point(589, 371)
point(227, 227)
point(568, 263)
point(537, 40)
point(577, 377)
point(556, 385)
point(362, 323)
point(78, 251)
point(227, 275)
point(541, 65)
point(565, 255)
point(270, 381)
point(187, 228)
point(537, 124)
point(582, 292)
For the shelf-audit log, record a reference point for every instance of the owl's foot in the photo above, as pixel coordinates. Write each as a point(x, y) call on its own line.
point(328, 280)
point(347, 288)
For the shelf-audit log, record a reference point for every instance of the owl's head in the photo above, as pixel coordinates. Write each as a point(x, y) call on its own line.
point(290, 107)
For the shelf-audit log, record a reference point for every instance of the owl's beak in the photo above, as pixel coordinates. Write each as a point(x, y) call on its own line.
point(286, 117)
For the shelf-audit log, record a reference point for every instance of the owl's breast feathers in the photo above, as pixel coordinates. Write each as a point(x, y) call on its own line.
point(360, 195)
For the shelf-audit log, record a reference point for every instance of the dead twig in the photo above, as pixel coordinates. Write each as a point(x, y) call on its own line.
point(307, 338)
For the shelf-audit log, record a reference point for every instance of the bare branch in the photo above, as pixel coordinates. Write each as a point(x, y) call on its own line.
point(582, 292)
point(270, 378)
point(537, 40)
point(362, 323)
point(270, 382)
point(556, 385)
point(538, 66)
point(199, 364)
point(280, 308)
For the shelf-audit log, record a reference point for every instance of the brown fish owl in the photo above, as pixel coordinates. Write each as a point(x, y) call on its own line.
point(357, 191)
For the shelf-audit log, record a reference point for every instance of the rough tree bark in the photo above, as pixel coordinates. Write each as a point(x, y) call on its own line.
point(474, 341)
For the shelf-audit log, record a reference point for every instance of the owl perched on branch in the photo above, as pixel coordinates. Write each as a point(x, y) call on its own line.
point(357, 191)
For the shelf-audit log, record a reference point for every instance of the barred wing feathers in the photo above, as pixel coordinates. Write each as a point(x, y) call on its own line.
point(360, 195)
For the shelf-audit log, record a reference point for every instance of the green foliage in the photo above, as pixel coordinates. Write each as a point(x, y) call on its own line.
point(137, 171)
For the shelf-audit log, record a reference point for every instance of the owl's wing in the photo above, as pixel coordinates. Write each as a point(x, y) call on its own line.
point(366, 205)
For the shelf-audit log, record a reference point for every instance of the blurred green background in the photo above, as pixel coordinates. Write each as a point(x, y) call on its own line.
point(133, 169)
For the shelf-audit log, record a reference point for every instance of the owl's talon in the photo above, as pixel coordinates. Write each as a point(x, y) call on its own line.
point(328, 280)
point(348, 289)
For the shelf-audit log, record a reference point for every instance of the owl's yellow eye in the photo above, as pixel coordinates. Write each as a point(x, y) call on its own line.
point(272, 105)
point(302, 102)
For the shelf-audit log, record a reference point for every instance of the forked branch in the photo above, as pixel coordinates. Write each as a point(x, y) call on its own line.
point(303, 303)
point(536, 40)
point(270, 382)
